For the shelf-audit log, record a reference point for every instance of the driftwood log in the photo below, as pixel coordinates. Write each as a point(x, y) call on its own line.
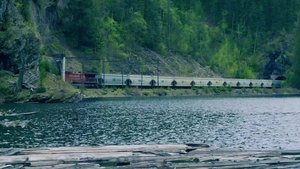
point(147, 156)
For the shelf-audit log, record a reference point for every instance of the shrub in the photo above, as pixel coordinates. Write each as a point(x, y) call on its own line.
point(41, 90)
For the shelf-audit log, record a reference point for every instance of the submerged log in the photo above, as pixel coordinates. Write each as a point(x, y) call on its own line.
point(147, 156)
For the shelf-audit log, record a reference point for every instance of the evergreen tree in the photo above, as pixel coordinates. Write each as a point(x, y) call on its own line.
point(295, 79)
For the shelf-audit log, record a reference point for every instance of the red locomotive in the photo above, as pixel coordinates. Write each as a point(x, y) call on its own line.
point(81, 79)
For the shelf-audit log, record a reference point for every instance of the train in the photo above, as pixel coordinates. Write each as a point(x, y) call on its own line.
point(79, 79)
point(122, 80)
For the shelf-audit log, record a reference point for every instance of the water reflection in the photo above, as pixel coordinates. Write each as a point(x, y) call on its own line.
point(249, 123)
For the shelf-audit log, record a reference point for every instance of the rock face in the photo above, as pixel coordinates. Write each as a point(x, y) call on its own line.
point(31, 56)
point(19, 45)
point(278, 64)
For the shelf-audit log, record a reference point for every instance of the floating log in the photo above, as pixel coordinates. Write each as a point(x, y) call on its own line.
point(16, 114)
point(147, 156)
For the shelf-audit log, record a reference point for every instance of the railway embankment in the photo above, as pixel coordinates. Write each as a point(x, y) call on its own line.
point(55, 90)
point(71, 94)
point(204, 92)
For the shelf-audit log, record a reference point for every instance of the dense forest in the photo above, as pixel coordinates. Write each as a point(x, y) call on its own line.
point(234, 38)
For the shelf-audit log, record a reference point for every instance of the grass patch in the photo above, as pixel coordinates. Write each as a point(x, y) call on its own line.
point(7, 83)
point(160, 92)
point(133, 91)
point(56, 89)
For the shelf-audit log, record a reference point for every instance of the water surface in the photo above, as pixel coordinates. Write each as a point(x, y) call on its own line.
point(248, 123)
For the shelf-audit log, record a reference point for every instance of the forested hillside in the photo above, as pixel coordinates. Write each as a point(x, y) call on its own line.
point(234, 38)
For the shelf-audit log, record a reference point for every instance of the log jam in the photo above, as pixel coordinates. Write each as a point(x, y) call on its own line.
point(147, 156)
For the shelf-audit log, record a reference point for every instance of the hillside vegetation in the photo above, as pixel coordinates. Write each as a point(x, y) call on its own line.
point(235, 37)
point(232, 38)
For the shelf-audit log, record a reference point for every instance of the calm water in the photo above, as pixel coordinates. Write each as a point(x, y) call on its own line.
point(248, 123)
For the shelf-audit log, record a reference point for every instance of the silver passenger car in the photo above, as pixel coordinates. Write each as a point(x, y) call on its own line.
point(169, 81)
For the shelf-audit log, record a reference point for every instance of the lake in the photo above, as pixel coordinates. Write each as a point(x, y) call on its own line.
point(247, 123)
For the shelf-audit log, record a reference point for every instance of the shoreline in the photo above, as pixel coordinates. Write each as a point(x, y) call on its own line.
point(86, 94)
point(110, 93)
point(198, 96)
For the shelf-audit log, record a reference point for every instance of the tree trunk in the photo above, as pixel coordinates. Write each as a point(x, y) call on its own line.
point(21, 75)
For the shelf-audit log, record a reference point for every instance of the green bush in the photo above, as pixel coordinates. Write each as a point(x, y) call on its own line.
point(41, 90)
point(132, 91)
point(160, 92)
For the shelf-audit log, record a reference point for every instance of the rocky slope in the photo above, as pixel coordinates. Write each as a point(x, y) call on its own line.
point(26, 29)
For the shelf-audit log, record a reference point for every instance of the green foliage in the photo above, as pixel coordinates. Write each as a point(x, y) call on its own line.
point(230, 35)
point(226, 58)
point(137, 27)
point(45, 67)
point(24, 8)
point(294, 76)
point(41, 89)
point(132, 91)
point(45, 3)
point(6, 83)
point(160, 92)
point(222, 90)
point(56, 47)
